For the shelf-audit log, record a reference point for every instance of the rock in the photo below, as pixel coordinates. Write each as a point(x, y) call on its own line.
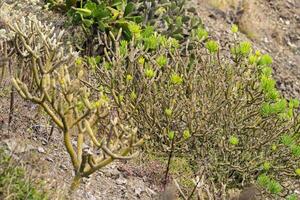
point(138, 191)
point(41, 150)
point(49, 159)
point(151, 192)
point(249, 193)
point(63, 167)
point(121, 181)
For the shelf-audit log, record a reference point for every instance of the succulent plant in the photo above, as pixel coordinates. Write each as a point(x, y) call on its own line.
point(217, 109)
point(58, 77)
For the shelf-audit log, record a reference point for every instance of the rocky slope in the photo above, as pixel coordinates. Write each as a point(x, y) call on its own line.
point(272, 25)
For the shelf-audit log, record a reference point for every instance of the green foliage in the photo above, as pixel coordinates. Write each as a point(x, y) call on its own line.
point(234, 28)
point(212, 46)
point(199, 101)
point(265, 60)
point(14, 183)
point(155, 73)
point(267, 166)
point(233, 140)
point(242, 49)
point(270, 184)
point(162, 60)
point(295, 149)
point(186, 134)
point(171, 135)
point(170, 18)
point(176, 79)
point(168, 112)
point(149, 73)
point(297, 171)
point(107, 16)
point(274, 108)
point(292, 197)
point(287, 140)
point(201, 33)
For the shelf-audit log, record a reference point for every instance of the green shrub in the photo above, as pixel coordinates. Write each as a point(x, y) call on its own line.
point(170, 18)
point(230, 106)
point(14, 183)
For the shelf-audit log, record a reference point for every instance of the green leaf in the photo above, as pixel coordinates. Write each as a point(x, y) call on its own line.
point(294, 103)
point(149, 73)
point(263, 180)
point(161, 60)
point(267, 166)
point(102, 26)
point(83, 11)
point(265, 60)
point(297, 171)
point(233, 140)
point(130, 7)
point(91, 6)
point(267, 71)
point(295, 149)
point(201, 33)
point(176, 79)
point(292, 197)
point(148, 31)
point(186, 134)
point(151, 42)
point(88, 22)
point(274, 187)
point(171, 135)
point(234, 28)
point(287, 140)
point(133, 96)
point(117, 2)
point(168, 112)
point(101, 12)
point(252, 59)
point(178, 36)
point(212, 46)
point(115, 12)
point(129, 78)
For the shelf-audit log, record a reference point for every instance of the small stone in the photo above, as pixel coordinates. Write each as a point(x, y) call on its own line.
point(63, 167)
point(41, 150)
point(121, 181)
point(151, 192)
point(138, 191)
point(287, 22)
point(49, 159)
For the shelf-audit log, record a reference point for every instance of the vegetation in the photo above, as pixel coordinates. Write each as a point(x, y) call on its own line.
point(14, 183)
point(97, 18)
point(79, 113)
point(217, 111)
point(205, 108)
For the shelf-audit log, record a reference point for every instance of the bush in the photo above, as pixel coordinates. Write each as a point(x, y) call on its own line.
point(82, 115)
point(229, 106)
point(170, 18)
point(14, 183)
